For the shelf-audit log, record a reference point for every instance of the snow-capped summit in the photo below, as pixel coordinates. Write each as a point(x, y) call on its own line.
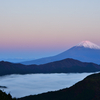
point(88, 44)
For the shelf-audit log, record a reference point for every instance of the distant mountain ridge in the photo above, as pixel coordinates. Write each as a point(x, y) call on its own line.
point(63, 66)
point(85, 51)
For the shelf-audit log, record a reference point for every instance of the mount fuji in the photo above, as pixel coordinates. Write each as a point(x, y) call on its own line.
point(85, 51)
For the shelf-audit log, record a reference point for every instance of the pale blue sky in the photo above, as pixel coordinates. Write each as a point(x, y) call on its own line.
point(37, 28)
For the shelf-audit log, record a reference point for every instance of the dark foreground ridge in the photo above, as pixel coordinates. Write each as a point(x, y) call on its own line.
point(4, 96)
point(63, 66)
point(87, 89)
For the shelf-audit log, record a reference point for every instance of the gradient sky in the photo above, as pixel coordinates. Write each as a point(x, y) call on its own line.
point(39, 28)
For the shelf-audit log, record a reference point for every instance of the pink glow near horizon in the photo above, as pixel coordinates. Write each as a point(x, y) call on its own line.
point(48, 42)
point(48, 26)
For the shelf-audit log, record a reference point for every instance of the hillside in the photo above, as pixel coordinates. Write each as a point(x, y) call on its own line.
point(63, 66)
point(7, 68)
point(87, 89)
point(4, 96)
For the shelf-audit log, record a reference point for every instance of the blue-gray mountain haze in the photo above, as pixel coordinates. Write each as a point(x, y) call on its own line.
point(85, 51)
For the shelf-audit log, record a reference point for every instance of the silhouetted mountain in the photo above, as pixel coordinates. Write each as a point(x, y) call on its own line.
point(87, 89)
point(4, 96)
point(63, 66)
point(84, 51)
point(7, 68)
